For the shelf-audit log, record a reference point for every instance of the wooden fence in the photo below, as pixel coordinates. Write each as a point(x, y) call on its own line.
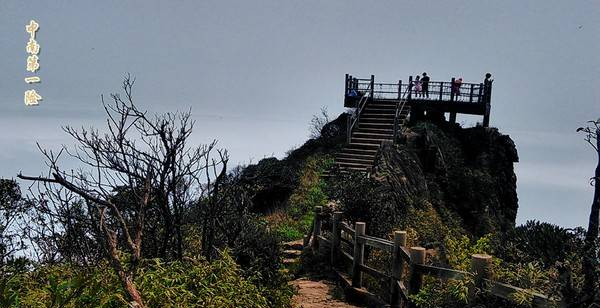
point(354, 237)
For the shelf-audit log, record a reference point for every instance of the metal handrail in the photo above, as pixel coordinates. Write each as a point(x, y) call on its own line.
point(356, 115)
point(399, 109)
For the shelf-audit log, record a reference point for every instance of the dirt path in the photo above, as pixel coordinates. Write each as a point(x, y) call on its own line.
point(316, 294)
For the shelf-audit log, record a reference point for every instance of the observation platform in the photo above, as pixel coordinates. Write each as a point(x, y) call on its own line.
point(442, 96)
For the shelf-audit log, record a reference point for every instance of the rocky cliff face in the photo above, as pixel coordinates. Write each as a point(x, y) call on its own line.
point(468, 171)
point(462, 172)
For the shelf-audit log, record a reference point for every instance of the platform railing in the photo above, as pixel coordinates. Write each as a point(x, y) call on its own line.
point(400, 105)
point(447, 91)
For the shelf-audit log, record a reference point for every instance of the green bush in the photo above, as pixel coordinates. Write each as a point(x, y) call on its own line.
point(311, 188)
point(539, 241)
point(294, 221)
point(191, 283)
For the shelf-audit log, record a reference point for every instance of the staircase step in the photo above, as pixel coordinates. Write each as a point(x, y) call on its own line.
point(292, 253)
point(377, 115)
point(379, 110)
point(369, 140)
point(359, 151)
point(376, 120)
point(361, 134)
point(346, 156)
point(356, 145)
point(382, 106)
point(376, 125)
point(354, 160)
point(295, 245)
point(360, 169)
point(291, 261)
point(353, 165)
point(375, 131)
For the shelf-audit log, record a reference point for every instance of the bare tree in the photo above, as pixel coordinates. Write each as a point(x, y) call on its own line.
point(318, 122)
point(141, 167)
point(590, 260)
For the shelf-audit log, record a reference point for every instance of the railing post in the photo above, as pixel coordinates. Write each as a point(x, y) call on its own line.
point(399, 89)
point(452, 89)
point(441, 90)
point(335, 239)
point(417, 256)
point(346, 88)
point(410, 84)
point(349, 129)
point(488, 104)
point(359, 253)
point(372, 85)
point(471, 94)
point(397, 267)
point(481, 266)
point(452, 118)
point(479, 95)
point(317, 230)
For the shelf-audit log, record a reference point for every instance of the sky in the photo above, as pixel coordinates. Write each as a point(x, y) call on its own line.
point(255, 72)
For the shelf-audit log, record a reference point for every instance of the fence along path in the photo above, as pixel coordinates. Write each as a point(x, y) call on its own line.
point(342, 234)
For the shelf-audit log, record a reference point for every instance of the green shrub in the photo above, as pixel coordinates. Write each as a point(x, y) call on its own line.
point(311, 188)
point(191, 283)
point(539, 241)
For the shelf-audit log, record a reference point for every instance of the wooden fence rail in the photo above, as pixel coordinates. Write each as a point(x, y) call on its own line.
point(413, 257)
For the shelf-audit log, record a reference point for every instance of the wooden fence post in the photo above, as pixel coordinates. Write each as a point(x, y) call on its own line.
point(397, 267)
point(359, 253)
point(335, 239)
point(481, 266)
point(317, 230)
point(417, 256)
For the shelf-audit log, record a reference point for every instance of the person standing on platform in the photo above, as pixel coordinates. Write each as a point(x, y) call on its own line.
point(425, 85)
point(457, 84)
point(487, 86)
point(418, 86)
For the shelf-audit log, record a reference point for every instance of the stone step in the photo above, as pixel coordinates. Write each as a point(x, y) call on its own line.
point(287, 261)
point(292, 253)
point(294, 245)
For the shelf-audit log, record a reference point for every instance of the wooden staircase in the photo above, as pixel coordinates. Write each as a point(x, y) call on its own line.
point(375, 124)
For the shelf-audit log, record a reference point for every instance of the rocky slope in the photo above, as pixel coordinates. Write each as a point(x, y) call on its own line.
point(462, 173)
